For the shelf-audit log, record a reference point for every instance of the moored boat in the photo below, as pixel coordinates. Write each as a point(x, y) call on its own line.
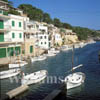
point(39, 58)
point(9, 73)
point(74, 80)
point(64, 48)
point(17, 63)
point(51, 54)
point(53, 50)
point(34, 77)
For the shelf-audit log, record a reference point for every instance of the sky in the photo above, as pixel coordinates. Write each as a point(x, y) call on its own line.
point(84, 13)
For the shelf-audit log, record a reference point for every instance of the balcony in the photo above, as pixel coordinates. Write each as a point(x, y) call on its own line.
point(4, 5)
point(9, 41)
point(6, 28)
point(4, 15)
point(31, 31)
point(6, 41)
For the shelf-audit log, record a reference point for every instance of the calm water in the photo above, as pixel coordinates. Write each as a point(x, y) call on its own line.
point(58, 66)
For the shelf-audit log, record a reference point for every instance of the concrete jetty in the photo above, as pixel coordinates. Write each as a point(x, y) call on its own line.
point(11, 94)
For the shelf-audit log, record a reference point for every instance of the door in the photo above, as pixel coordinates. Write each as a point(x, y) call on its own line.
point(1, 37)
point(2, 52)
point(31, 49)
point(1, 24)
point(10, 51)
point(17, 50)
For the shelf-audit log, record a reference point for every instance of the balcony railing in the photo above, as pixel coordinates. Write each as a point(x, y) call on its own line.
point(8, 40)
point(6, 28)
point(3, 12)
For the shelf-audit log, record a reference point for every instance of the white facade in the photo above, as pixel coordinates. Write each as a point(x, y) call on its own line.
point(43, 41)
point(43, 28)
point(57, 37)
point(68, 30)
point(15, 25)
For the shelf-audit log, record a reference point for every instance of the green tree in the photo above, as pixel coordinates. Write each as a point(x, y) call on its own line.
point(57, 22)
point(66, 25)
point(47, 18)
point(32, 12)
point(11, 11)
point(5, 0)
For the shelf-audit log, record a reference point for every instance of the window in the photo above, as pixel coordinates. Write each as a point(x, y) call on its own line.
point(20, 35)
point(45, 42)
point(41, 42)
point(13, 23)
point(13, 35)
point(40, 37)
point(20, 24)
point(45, 37)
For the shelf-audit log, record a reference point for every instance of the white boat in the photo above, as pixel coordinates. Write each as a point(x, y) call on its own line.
point(74, 80)
point(51, 54)
point(69, 47)
point(77, 46)
point(39, 58)
point(34, 77)
point(34, 59)
point(64, 48)
point(9, 73)
point(53, 50)
point(17, 63)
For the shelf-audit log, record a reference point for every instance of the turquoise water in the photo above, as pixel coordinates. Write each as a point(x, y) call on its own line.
point(58, 66)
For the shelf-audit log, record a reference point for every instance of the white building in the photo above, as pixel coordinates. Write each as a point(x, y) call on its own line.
point(43, 28)
point(57, 37)
point(15, 26)
point(11, 33)
point(43, 40)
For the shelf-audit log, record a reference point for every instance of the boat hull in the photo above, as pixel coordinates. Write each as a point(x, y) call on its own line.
point(16, 65)
point(72, 84)
point(9, 74)
point(34, 77)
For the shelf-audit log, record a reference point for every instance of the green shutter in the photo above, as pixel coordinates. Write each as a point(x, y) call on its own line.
point(1, 24)
point(13, 35)
point(17, 50)
point(10, 51)
point(20, 35)
point(31, 49)
point(5, 13)
point(0, 11)
point(20, 24)
point(1, 37)
point(2, 52)
point(13, 23)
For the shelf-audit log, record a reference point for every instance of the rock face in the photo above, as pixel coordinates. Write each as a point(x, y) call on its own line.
point(71, 39)
point(67, 35)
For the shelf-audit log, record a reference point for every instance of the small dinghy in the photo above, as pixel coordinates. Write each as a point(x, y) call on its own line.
point(39, 58)
point(34, 77)
point(34, 59)
point(51, 54)
point(9, 73)
point(17, 63)
point(53, 50)
point(64, 48)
